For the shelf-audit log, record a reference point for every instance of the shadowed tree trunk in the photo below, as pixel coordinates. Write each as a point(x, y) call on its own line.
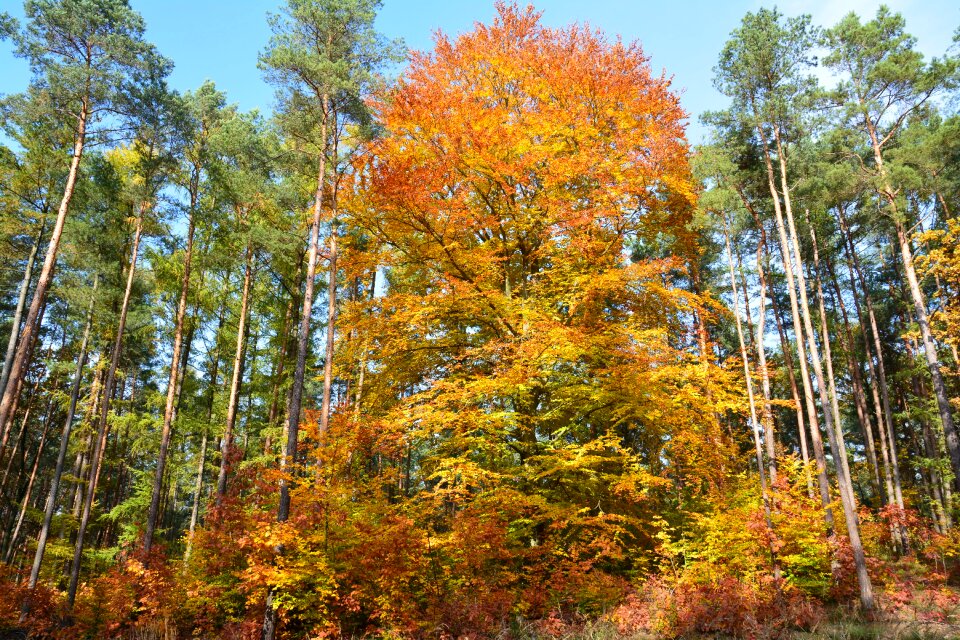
point(172, 384)
point(233, 400)
point(103, 428)
point(64, 444)
point(21, 358)
point(18, 313)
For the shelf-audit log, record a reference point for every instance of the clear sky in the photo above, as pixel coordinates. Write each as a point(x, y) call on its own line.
point(220, 39)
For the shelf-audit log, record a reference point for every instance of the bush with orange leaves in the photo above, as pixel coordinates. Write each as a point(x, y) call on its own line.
point(717, 572)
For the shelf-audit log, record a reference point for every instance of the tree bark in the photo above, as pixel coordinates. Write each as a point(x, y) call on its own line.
point(198, 484)
point(331, 326)
point(21, 303)
point(103, 428)
point(847, 343)
point(798, 330)
point(303, 335)
point(877, 372)
point(834, 434)
point(21, 357)
point(64, 444)
point(226, 445)
point(920, 309)
point(12, 544)
point(172, 384)
point(754, 423)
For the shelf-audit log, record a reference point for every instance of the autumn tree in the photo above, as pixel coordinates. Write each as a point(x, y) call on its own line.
point(86, 54)
point(322, 58)
point(885, 81)
point(522, 361)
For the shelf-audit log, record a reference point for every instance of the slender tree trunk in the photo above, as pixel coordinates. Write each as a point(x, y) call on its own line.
point(766, 410)
point(103, 429)
point(273, 414)
point(798, 330)
point(877, 372)
point(80, 471)
point(860, 398)
point(303, 335)
point(18, 386)
point(920, 309)
point(16, 443)
point(754, 423)
point(197, 490)
point(64, 444)
point(9, 509)
point(794, 390)
point(198, 485)
point(940, 507)
point(358, 397)
point(768, 434)
point(331, 326)
point(21, 303)
point(21, 357)
point(226, 444)
point(835, 435)
point(930, 351)
point(828, 356)
point(11, 546)
point(172, 384)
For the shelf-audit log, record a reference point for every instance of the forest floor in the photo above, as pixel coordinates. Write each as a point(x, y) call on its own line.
point(831, 630)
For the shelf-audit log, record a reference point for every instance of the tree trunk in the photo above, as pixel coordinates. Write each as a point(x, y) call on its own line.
point(860, 399)
point(64, 444)
point(21, 303)
point(172, 385)
point(331, 326)
point(18, 386)
point(920, 309)
point(21, 357)
point(878, 373)
point(834, 434)
point(792, 379)
point(303, 335)
point(198, 485)
point(828, 356)
point(798, 330)
point(930, 351)
point(11, 546)
point(940, 507)
point(273, 414)
point(754, 423)
point(358, 397)
point(103, 428)
point(226, 445)
point(767, 412)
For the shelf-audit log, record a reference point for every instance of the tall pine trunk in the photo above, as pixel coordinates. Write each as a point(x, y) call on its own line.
point(21, 358)
point(172, 385)
point(920, 309)
point(754, 423)
point(834, 434)
point(331, 326)
point(64, 445)
point(877, 371)
point(103, 427)
point(303, 337)
point(798, 329)
point(18, 313)
point(226, 445)
point(198, 483)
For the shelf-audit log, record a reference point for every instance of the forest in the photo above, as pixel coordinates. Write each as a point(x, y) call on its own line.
point(474, 342)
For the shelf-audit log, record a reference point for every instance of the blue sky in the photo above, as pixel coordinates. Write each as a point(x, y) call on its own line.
point(220, 39)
